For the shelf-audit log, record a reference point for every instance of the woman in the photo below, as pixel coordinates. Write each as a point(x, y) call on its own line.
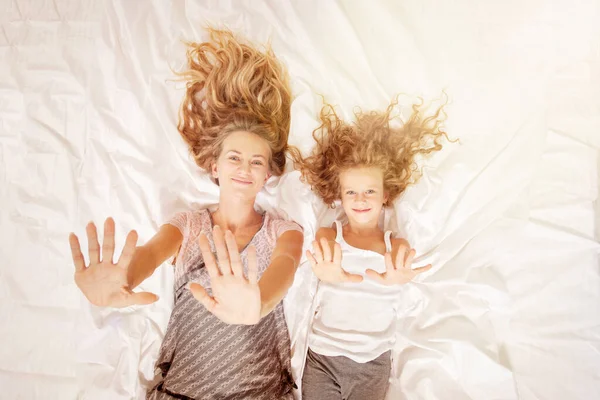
point(227, 336)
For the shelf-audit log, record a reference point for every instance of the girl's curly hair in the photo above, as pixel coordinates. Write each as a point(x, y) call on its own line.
point(232, 86)
point(370, 141)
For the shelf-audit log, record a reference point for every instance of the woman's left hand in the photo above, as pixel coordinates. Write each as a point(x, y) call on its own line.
point(400, 272)
point(235, 298)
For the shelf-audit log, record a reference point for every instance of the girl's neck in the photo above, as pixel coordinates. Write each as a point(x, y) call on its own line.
point(236, 214)
point(366, 229)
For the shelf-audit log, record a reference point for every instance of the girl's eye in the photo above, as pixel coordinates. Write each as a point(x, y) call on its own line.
point(234, 158)
point(257, 162)
point(350, 192)
point(370, 191)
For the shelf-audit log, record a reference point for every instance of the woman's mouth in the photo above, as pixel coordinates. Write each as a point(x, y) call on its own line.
point(241, 181)
point(361, 211)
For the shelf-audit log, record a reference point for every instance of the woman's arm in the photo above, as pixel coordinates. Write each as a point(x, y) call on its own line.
point(150, 256)
point(106, 283)
point(279, 275)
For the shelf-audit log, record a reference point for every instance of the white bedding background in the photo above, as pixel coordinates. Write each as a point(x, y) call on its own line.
point(509, 216)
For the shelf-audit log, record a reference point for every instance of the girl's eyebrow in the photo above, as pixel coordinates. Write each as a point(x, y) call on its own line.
point(254, 155)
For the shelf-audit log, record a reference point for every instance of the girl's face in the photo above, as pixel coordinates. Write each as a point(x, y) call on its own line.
point(362, 194)
point(243, 165)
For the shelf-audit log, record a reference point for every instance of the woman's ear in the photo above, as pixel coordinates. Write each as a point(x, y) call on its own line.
point(268, 176)
point(213, 170)
point(385, 197)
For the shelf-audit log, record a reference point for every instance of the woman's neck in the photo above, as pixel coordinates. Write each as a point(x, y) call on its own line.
point(236, 214)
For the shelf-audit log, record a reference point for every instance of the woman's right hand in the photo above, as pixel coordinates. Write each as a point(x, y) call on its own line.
point(328, 267)
point(103, 282)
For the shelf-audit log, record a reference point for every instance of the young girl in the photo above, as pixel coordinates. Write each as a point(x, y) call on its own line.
point(367, 165)
point(227, 336)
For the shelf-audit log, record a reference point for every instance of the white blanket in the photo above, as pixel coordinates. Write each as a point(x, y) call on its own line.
point(509, 216)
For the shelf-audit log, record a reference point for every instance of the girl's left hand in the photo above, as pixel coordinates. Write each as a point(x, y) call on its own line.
point(401, 272)
point(235, 299)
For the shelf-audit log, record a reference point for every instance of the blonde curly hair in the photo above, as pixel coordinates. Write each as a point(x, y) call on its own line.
point(370, 141)
point(232, 86)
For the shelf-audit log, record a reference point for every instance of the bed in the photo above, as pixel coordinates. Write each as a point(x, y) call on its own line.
point(508, 215)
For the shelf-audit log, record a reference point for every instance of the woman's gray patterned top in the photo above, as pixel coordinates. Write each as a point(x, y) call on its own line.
point(204, 358)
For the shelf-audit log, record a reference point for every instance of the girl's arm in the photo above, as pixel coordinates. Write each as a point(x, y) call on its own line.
point(326, 261)
point(398, 265)
point(279, 275)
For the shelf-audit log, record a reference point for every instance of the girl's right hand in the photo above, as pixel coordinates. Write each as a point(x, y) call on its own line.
point(328, 267)
point(103, 282)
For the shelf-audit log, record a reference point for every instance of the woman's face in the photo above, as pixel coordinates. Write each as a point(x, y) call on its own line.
point(362, 194)
point(243, 165)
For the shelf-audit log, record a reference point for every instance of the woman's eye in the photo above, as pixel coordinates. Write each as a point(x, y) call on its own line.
point(371, 191)
point(257, 163)
point(234, 158)
point(350, 192)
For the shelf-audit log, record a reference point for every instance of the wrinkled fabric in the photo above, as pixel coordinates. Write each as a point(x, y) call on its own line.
point(508, 216)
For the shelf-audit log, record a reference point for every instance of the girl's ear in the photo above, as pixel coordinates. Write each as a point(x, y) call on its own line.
point(213, 170)
point(385, 197)
point(268, 176)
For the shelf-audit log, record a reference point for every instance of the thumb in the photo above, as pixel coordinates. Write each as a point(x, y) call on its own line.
point(202, 296)
point(352, 277)
point(371, 273)
point(143, 298)
point(422, 269)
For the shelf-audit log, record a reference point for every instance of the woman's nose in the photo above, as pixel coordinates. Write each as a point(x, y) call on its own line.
point(245, 168)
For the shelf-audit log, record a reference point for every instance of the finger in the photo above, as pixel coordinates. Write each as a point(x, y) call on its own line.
point(208, 257)
point(311, 259)
point(108, 243)
point(318, 252)
point(389, 264)
point(128, 250)
point(93, 245)
point(326, 250)
point(143, 298)
point(337, 254)
point(376, 276)
point(221, 248)
point(401, 256)
point(234, 254)
point(78, 259)
point(420, 270)
point(202, 296)
point(252, 266)
point(352, 277)
point(409, 258)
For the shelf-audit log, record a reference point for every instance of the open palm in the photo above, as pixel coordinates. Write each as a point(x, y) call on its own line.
point(235, 299)
point(103, 282)
point(327, 266)
point(401, 271)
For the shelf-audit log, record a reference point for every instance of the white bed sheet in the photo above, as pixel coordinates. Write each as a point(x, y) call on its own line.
point(509, 217)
